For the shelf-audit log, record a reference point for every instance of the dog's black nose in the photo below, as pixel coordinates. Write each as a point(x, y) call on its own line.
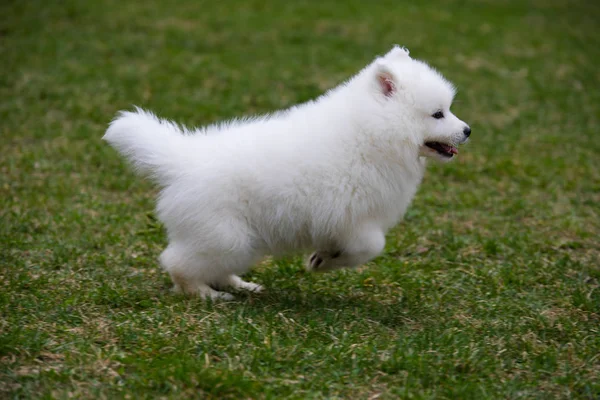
point(467, 131)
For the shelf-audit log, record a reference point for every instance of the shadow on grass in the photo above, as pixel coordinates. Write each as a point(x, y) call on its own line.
point(328, 307)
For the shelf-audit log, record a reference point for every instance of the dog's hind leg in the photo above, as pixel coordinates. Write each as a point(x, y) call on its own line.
point(238, 283)
point(201, 290)
point(191, 273)
point(361, 247)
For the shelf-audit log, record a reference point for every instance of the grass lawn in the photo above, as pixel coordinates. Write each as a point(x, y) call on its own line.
point(490, 288)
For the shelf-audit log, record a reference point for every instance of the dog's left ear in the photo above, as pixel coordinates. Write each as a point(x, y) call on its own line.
point(398, 52)
point(386, 82)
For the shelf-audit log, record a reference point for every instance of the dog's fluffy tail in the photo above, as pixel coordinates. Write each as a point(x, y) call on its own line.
point(153, 145)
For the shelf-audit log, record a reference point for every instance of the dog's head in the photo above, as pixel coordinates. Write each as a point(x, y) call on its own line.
point(419, 95)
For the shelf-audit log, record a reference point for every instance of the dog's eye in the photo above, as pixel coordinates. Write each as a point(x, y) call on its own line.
point(438, 115)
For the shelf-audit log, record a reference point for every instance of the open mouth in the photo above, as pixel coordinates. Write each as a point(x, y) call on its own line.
point(442, 149)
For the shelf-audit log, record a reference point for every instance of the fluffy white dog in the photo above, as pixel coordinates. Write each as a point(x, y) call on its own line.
point(332, 175)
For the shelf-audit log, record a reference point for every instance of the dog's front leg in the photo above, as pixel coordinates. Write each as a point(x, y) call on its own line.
point(362, 247)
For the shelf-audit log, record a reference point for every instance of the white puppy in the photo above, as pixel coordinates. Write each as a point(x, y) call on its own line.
point(332, 175)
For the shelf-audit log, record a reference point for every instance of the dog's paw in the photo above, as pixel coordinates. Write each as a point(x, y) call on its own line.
point(253, 287)
point(322, 261)
point(220, 296)
point(240, 284)
point(314, 262)
point(204, 292)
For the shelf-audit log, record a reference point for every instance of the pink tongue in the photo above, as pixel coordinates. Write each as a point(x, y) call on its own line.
point(449, 149)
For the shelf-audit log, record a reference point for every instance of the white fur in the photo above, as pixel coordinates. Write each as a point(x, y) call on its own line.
point(331, 175)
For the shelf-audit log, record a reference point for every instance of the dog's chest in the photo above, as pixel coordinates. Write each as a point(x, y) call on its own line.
point(396, 195)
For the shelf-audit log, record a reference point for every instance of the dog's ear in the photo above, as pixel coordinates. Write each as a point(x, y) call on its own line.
point(398, 52)
point(385, 80)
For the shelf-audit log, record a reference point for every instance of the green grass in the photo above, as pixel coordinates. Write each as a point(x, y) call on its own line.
point(488, 289)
